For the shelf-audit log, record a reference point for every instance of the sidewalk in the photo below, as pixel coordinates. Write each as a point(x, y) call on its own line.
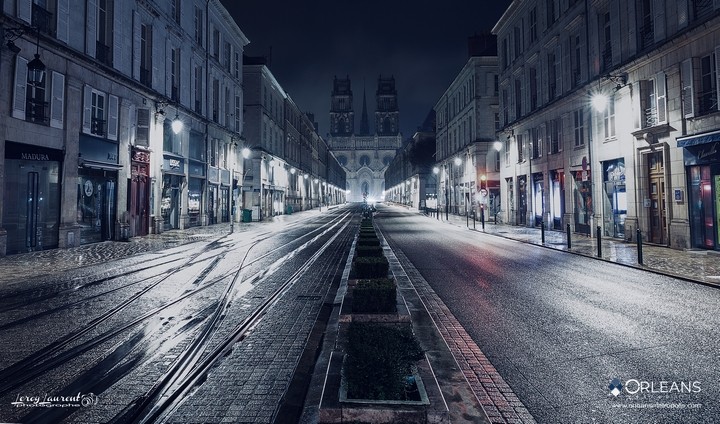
point(701, 266)
point(24, 266)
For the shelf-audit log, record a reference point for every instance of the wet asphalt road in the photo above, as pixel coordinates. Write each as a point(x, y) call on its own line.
point(560, 327)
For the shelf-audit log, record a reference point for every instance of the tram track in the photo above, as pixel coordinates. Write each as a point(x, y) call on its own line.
point(57, 352)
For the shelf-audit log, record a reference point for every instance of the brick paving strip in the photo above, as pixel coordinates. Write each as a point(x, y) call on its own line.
point(496, 397)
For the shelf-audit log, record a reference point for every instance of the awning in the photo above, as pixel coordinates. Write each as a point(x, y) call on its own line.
point(103, 166)
point(694, 140)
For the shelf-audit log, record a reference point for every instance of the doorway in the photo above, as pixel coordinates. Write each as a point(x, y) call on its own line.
point(656, 189)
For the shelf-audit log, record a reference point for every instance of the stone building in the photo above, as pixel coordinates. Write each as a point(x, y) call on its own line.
point(609, 118)
point(364, 156)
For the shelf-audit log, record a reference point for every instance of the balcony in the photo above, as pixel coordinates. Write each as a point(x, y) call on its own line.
point(43, 20)
point(145, 76)
point(103, 53)
point(97, 127)
point(36, 111)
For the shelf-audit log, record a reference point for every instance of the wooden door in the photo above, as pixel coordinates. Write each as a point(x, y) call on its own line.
point(656, 212)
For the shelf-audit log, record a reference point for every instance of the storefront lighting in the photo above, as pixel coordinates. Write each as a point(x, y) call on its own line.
point(177, 124)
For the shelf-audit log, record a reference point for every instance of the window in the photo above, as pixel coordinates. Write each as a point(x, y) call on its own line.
point(552, 77)
point(606, 41)
point(688, 94)
point(198, 86)
point(554, 129)
point(533, 25)
point(216, 100)
point(579, 128)
point(536, 141)
point(496, 79)
point(227, 53)
point(198, 25)
point(238, 65)
point(176, 12)
point(504, 53)
point(708, 100)
point(497, 121)
point(520, 147)
point(175, 74)
point(216, 44)
point(609, 118)
point(100, 113)
point(237, 116)
point(507, 150)
point(364, 160)
point(36, 105)
point(146, 54)
point(518, 99)
point(506, 117)
point(652, 109)
point(142, 128)
point(228, 110)
point(533, 89)
point(550, 13)
point(647, 30)
point(103, 49)
point(518, 42)
point(576, 61)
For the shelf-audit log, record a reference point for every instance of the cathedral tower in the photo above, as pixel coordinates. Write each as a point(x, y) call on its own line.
point(342, 117)
point(387, 116)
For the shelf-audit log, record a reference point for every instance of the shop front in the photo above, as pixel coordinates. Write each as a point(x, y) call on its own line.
point(702, 164)
point(538, 198)
point(582, 194)
point(557, 198)
point(615, 198)
point(213, 202)
point(171, 195)
point(31, 201)
point(97, 189)
point(224, 201)
point(196, 187)
point(139, 199)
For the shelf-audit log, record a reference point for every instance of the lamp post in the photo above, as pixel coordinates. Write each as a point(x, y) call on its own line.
point(436, 171)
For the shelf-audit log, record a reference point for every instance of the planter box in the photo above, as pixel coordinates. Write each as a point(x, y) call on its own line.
point(401, 313)
point(370, 267)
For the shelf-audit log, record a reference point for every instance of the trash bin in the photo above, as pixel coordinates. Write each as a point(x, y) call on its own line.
point(289, 210)
point(246, 215)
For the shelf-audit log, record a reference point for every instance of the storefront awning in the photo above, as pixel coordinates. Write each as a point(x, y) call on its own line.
point(103, 166)
point(694, 140)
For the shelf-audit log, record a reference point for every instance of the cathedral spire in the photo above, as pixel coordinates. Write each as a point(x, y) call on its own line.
point(364, 124)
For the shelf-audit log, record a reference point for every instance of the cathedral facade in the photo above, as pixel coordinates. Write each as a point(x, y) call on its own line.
point(364, 155)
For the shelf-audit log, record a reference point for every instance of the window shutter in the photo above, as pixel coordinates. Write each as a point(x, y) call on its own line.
point(91, 28)
point(57, 101)
point(157, 58)
point(142, 129)
point(558, 71)
point(168, 68)
point(20, 95)
point(717, 76)
point(119, 32)
point(136, 46)
point(87, 109)
point(686, 80)
point(112, 119)
point(63, 20)
point(659, 19)
point(682, 13)
point(24, 10)
point(636, 106)
point(661, 97)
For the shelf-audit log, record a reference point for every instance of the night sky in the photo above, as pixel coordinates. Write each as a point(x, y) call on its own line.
point(422, 43)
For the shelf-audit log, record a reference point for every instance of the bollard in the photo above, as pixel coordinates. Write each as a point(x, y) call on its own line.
point(569, 239)
point(474, 219)
point(638, 237)
point(482, 218)
point(467, 219)
point(599, 242)
point(542, 233)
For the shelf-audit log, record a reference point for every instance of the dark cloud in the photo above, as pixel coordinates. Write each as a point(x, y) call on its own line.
point(423, 44)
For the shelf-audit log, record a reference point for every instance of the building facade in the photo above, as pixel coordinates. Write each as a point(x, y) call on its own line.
point(609, 118)
point(364, 156)
point(467, 161)
point(289, 167)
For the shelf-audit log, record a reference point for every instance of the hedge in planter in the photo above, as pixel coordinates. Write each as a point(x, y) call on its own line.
point(364, 251)
point(379, 360)
point(368, 241)
point(370, 267)
point(374, 296)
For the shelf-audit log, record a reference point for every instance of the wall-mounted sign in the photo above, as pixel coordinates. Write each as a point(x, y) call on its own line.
point(646, 203)
point(678, 195)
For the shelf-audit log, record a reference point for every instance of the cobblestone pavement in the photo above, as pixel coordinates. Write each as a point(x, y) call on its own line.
point(695, 265)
